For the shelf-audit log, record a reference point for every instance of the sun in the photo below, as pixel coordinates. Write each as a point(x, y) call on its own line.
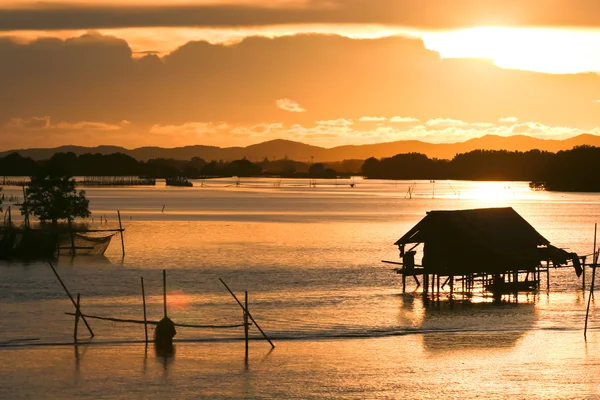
point(557, 51)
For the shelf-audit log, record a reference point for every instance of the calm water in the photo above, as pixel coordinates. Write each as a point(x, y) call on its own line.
point(310, 259)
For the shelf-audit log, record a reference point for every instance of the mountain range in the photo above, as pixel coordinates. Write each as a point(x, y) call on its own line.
point(279, 149)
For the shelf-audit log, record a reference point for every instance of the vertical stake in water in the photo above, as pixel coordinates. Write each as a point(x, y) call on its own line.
point(72, 238)
point(77, 313)
point(121, 232)
point(144, 304)
point(595, 261)
point(25, 211)
point(246, 322)
point(165, 292)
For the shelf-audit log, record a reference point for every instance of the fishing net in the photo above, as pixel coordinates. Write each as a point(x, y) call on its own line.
point(85, 244)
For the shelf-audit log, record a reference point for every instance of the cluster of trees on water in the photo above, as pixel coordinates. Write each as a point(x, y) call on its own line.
point(118, 164)
point(570, 170)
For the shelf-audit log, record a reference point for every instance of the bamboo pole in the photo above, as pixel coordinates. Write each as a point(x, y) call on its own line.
point(246, 322)
point(249, 315)
point(72, 238)
point(25, 210)
point(587, 312)
point(165, 292)
point(595, 259)
point(121, 233)
point(144, 304)
point(135, 321)
point(71, 297)
point(77, 314)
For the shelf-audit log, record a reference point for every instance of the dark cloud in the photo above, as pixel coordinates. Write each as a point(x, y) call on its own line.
point(429, 14)
point(95, 78)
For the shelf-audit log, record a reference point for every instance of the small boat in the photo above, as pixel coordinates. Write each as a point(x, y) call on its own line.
point(178, 181)
point(512, 287)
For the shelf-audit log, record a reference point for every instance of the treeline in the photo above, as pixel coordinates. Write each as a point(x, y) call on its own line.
point(570, 170)
point(118, 164)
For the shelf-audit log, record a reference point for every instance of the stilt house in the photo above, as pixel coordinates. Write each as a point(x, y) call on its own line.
point(490, 242)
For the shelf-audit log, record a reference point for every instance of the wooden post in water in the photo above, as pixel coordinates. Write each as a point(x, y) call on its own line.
point(583, 273)
point(71, 297)
point(587, 312)
point(144, 304)
point(72, 238)
point(165, 292)
point(548, 275)
point(77, 314)
point(246, 322)
point(25, 210)
point(121, 233)
point(593, 256)
point(594, 262)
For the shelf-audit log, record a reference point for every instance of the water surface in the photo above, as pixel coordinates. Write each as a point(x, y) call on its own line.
point(310, 259)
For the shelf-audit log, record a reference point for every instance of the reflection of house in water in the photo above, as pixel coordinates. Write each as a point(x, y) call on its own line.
point(463, 326)
point(492, 249)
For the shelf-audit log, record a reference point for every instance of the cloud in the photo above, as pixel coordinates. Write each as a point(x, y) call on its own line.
point(93, 83)
point(45, 123)
point(29, 123)
point(504, 120)
point(336, 122)
point(289, 105)
point(445, 122)
point(189, 128)
point(427, 14)
point(84, 125)
point(403, 119)
point(372, 119)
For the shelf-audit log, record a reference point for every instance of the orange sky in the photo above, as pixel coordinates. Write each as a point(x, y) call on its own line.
point(347, 72)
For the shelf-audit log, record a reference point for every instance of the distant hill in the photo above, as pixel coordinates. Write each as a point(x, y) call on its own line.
point(278, 149)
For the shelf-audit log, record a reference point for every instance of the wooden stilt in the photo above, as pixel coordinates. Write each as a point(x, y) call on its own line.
point(77, 314)
point(71, 297)
point(451, 284)
point(144, 304)
point(121, 233)
point(583, 274)
point(403, 282)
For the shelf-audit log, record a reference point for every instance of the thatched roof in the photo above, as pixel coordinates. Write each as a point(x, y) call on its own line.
point(479, 239)
point(485, 226)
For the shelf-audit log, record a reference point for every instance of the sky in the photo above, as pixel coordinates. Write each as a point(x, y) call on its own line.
point(324, 72)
